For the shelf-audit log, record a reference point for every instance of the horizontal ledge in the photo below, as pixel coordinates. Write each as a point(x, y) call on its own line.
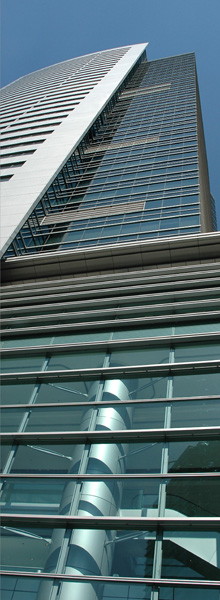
point(133, 435)
point(171, 249)
point(128, 580)
point(179, 274)
point(86, 477)
point(121, 323)
point(156, 310)
point(110, 403)
point(191, 338)
point(112, 372)
point(143, 523)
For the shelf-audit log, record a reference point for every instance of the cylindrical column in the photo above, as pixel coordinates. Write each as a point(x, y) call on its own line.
point(90, 552)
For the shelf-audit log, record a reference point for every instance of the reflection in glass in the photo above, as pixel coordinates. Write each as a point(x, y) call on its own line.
point(122, 497)
point(25, 549)
point(91, 552)
point(76, 418)
point(27, 588)
point(193, 497)
point(198, 384)
point(143, 458)
point(191, 555)
point(191, 593)
point(200, 413)
point(17, 393)
point(76, 360)
point(194, 456)
point(27, 363)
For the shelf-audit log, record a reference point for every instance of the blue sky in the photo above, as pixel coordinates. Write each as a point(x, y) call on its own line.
point(37, 33)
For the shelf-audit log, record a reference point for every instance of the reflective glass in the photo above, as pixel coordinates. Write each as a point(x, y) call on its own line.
point(138, 458)
point(76, 418)
point(198, 384)
point(194, 456)
point(103, 458)
point(91, 552)
point(190, 555)
point(76, 360)
point(140, 356)
point(17, 393)
point(191, 593)
point(33, 363)
point(27, 588)
point(192, 497)
point(197, 327)
point(134, 498)
point(195, 352)
point(201, 413)
point(84, 390)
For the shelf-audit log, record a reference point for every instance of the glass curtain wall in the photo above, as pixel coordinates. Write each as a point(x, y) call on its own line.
point(135, 175)
point(110, 426)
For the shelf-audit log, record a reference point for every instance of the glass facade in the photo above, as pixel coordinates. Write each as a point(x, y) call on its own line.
point(135, 176)
point(110, 404)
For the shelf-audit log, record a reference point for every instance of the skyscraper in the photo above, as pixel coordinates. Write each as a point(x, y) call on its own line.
point(110, 417)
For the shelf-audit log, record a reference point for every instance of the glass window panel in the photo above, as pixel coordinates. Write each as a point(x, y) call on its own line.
point(17, 393)
point(191, 220)
point(149, 225)
point(133, 559)
point(195, 352)
point(46, 419)
point(85, 390)
point(131, 228)
point(198, 384)
point(90, 551)
point(73, 236)
point(90, 336)
point(140, 356)
point(125, 498)
point(197, 327)
point(194, 456)
point(27, 363)
point(68, 391)
point(27, 548)
point(4, 454)
point(111, 230)
point(11, 419)
point(26, 588)
point(204, 413)
point(43, 458)
point(147, 416)
point(114, 389)
point(167, 223)
point(192, 497)
point(145, 457)
point(185, 456)
point(19, 588)
point(92, 233)
point(75, 418)
point(192, 593)
point(26, 341)
point(79, 360)
point(142, 332)
point(45, 392)
point(190, 555)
